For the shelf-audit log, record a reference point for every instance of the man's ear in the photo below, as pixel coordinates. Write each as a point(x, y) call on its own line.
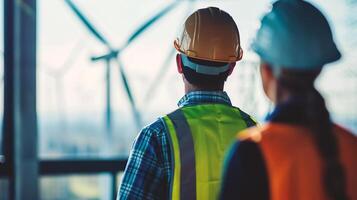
point(266, 71)
point(231, 68)
point(240, 54)
point(269, 81)
point(179, 63)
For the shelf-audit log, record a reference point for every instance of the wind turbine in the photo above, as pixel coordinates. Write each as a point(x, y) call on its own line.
point(114, 54)
point(58, 76)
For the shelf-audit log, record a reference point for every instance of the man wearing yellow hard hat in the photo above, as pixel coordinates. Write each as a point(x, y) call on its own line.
point(180, 155)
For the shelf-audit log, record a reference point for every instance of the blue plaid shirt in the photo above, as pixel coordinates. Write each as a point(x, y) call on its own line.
point(148, 171)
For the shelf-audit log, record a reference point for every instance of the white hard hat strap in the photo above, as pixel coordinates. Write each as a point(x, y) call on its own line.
point(203, 69)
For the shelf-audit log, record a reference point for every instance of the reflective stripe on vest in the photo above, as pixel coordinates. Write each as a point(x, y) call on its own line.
point(199, 137)
point(187, 155)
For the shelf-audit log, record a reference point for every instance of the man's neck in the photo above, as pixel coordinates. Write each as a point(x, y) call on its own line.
point(192, 88)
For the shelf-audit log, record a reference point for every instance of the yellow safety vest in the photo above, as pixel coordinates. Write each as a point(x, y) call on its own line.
point(199, 137)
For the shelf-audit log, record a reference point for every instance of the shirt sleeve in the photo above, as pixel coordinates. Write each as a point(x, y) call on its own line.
point(245, 174)
point(143, 176)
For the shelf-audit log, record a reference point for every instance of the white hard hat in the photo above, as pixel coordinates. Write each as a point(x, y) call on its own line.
point(296, 35)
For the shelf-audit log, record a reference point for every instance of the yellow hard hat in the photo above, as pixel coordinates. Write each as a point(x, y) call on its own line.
point(210, 34)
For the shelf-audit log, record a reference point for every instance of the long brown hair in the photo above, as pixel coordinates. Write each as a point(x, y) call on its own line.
point(300, 84)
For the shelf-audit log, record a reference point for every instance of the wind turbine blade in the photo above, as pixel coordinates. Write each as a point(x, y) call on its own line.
point(151, 21)
point(87, 23)
point(66, 65)
point(157, 80)
point(142, 28)
point(134, 109)
point(74, 53)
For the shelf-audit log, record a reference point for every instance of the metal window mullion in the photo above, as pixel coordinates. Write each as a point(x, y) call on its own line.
point(8, 123)
point(113, 185)
point(20, 98)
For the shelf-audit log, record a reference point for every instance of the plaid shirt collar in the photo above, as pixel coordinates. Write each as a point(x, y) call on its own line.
point(200, 97)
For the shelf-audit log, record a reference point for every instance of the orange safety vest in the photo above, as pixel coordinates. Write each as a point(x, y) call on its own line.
point(294, 166)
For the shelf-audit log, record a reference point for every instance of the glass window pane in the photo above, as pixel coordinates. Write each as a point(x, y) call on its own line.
point(338, 82)
point(72, 98)
point(119, 179)
point(76, 187)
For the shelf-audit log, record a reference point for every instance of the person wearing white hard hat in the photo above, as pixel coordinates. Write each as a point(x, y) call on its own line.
point(299, 153)
point(180, 156)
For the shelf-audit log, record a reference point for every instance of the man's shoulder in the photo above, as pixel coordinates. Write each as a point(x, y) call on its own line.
point(156, 128)
point(249, 120)
point(152, 138)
